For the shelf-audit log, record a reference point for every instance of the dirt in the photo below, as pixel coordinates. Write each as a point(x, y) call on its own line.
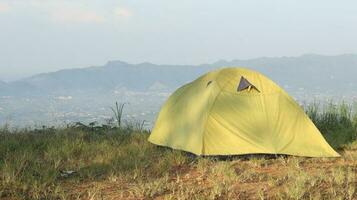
point(268, 178)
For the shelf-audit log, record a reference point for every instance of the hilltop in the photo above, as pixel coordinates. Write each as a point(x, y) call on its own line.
point(111, 162)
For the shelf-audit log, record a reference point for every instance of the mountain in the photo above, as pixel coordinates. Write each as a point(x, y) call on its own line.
point(332, 74)
point(113, 75)
point(87, 94)
point(2, 84)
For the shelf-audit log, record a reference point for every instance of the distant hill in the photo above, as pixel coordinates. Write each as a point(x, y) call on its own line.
point(2, 83)
point(3, 87)
point(335, 74)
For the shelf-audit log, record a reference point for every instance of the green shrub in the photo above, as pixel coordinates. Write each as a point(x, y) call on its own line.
point(337, 123)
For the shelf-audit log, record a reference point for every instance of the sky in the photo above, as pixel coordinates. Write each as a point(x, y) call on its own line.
point(47, 35)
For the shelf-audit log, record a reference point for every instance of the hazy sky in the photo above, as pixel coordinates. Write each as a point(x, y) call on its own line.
point(47, 35)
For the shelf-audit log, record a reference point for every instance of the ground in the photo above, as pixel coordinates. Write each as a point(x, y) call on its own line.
point(253, 178)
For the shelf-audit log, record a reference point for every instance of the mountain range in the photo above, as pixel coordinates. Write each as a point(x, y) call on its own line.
point(314, 73)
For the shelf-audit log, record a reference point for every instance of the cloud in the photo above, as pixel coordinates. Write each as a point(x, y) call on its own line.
point(76, 16)
point(122, 12)
point(4, 7)
point(67, 11)
point(61, 11)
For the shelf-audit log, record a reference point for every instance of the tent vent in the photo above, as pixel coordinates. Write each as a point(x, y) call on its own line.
point(245, 84)
point(209, 82)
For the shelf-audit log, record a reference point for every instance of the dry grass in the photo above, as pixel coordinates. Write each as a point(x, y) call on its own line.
point(118, 165)
point(280, 178)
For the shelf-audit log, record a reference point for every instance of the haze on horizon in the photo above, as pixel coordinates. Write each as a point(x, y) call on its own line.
point(40, 36)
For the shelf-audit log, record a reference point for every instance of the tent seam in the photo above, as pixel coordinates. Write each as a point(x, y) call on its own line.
point(209, 111)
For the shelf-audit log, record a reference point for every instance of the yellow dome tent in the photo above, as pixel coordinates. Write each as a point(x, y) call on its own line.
point(235, 111)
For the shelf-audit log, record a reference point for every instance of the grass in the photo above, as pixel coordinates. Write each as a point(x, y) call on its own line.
point(118, 163)
point(338, 123)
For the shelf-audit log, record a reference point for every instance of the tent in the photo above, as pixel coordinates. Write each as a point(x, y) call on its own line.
point(234, 111)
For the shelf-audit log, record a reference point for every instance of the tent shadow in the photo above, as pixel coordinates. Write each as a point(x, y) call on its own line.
point(243, 157)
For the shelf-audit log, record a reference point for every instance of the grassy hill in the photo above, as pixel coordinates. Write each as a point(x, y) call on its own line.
point(106, 162)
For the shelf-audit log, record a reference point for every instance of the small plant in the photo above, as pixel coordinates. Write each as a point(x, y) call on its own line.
point(135, 125)
point(118, 113)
